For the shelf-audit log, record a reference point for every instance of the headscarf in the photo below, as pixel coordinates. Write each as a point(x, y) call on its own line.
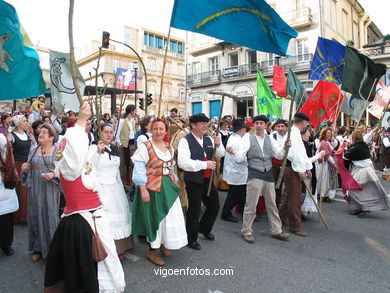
point(53, 131)
point(14, 122)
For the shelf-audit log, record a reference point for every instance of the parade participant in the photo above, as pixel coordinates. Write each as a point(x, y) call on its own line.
point(308, 207)
point(173, 113)
point(36, 127)
point(125, 140)
point(280, 137)
point(386, 149)
point(105, 159)
point(145, 131)
point(21, 141)
point(297, 169)
point(8, 205)
point(43, 194)
point(224, 133)
point(259, 149)
point(235, 171)
point(36, 108)
point(4, 123)
point(70, 266)
point(195, 152)
point(157, 212)
point(373, 197)
point(326, 168)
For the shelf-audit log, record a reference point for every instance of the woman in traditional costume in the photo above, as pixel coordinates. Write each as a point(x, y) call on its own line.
point(70, 265)
point(326, 167)
point(105, 159)
point(157, 212)
point(373, 197)
point(44, 192)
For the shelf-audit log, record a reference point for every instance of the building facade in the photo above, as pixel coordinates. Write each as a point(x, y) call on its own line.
point(215, 65)
point(117, 61)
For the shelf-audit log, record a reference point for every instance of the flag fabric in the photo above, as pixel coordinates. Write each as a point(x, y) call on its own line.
point(353, 107)
point(253, 24)
point(293, 83)
point(360, 73)
point(62, 89)
point(347, 181)
point(328, 61)
point(20, 74)
point(279, 81)
point(268, 102)
point(322, 103)
point(381, 101)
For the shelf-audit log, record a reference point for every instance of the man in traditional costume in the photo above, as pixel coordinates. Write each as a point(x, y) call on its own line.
point(259, 149)
point(195, 152)
point(70, 265)
point(297, 168)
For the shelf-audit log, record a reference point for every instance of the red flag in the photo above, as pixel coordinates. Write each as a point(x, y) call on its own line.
point(322, 103)
point(279, 82)
point(347, 181)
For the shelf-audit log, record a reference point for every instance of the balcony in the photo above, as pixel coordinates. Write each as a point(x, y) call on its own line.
point(300, 62)
point(204, 77)
point(241, 70)
point(298, 18)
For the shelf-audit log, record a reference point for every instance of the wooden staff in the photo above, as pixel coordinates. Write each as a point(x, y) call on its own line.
point(71, 55)
point(174, 122)
point(365, 105)
point(336, 116)
point(217, 131)
point(315, 203)
point(321, 181)
point(162, 73)
point(286, 148)
point(331, 184)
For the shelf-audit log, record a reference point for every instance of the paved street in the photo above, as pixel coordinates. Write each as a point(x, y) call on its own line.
point(352, 256)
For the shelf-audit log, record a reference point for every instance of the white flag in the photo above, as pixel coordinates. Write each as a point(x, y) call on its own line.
point(381, 100)
point(62, 89)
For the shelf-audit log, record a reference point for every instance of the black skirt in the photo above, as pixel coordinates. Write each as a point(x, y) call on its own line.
point(70, 266)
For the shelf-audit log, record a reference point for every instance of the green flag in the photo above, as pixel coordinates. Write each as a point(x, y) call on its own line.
point(360, 73)
point(268, 102)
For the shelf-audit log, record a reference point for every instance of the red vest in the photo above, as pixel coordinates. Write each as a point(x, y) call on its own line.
point(77, 197)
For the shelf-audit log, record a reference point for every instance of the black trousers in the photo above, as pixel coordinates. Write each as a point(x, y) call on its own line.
point(6, 230)
point(235, 195)
point(196, 194)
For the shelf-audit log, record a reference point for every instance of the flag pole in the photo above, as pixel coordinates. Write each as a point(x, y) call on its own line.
point(71, 54)
point(286, 148)
point(336, 116)
point(366, 104)
point(315, 203)
point(163, 72)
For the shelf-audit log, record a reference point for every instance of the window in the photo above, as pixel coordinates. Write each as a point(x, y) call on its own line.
point(115, 65)
point(345, 24)
point(196, 71)
point(173, 46)
point(333, 14)
point(127, 38)
point(356, 33)
point(213, 65)
point(159, 42)
point(271, 59)
point(302, 50)
point(152, 64)
point(299, 7)
point(233, 59)
point(251, 57)
point(180, 48)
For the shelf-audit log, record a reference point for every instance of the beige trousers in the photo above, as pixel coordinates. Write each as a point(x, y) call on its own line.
point(255, 189)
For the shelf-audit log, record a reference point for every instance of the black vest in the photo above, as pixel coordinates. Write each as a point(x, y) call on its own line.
point(197, 153)
point(21, 148)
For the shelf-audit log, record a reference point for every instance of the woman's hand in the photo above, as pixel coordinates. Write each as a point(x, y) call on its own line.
point(145, 194)
point(25, 167)
point(100, 147)
point(48, 176)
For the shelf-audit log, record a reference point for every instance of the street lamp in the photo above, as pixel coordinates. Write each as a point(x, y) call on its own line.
point(135, 67)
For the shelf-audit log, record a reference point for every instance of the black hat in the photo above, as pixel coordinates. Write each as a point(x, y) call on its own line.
point(238, 124)
point(281, 121)
point(260, 118)
point(199, 118)
point(302, 116)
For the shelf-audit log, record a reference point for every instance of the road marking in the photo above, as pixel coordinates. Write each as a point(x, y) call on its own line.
point(378, 247)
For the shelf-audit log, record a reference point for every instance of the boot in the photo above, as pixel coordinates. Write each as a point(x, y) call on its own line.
point(155, 258)
point(164, 251)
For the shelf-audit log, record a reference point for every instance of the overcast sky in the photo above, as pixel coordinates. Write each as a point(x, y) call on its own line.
point(46, 21)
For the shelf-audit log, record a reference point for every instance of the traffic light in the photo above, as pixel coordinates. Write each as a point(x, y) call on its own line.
point(141, 104)
point(150, 100)
point(106, 40)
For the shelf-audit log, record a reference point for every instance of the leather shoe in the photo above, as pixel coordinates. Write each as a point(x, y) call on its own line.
point(248, 238)
point(194, 245)
point(153, 257)
point(209, 236)
point(8, 250)
point(299, 233)
point(281, 236)
point(229, 218)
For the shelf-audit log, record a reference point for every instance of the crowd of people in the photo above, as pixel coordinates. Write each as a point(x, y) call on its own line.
point(85, 187)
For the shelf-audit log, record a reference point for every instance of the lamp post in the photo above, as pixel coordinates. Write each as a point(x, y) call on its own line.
point(135, 67)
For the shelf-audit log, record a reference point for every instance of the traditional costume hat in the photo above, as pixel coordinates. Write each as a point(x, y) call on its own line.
point(199, 118)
